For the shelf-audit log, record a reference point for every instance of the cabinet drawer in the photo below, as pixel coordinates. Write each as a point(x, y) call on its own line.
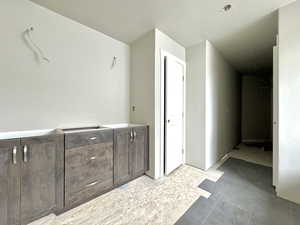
point(86, 164)
point(74, 140)
point(90, 190)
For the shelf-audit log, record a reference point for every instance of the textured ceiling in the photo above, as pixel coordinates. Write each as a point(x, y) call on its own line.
point(244, 35)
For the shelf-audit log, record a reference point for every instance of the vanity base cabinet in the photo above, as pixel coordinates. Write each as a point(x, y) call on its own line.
point(31, 178)
point(130, 153)
point(122, 156)
point(9, 182)
point(53, 173)
point(42, 177)
point(139, 149)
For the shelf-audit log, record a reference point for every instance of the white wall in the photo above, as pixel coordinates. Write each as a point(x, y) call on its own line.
point(289, 104)
point(146, 88)
point(215, 94)
point(195, 105)
point(77, 86)
point(222, 106)
point(162, 42)
point(142, 88)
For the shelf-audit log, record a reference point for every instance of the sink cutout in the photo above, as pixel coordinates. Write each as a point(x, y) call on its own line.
point(83, 128)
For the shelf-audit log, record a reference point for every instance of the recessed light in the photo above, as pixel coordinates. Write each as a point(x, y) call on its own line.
point(227, 7)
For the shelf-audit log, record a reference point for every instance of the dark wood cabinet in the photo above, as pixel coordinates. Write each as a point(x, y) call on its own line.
point(41, 176)
point(122, 156)
point(89, 165)
point(58, 171)
point(139, 151)
point(130, 153)
point(31, 178)
point(10, 182)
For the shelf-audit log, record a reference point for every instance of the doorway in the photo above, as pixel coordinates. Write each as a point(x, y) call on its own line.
point(173, 98)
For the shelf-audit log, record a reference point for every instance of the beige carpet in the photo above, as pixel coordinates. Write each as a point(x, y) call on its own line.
point(142, 201)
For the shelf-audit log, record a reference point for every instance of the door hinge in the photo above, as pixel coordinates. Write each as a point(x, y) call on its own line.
point(183, 78)
point(182, 151)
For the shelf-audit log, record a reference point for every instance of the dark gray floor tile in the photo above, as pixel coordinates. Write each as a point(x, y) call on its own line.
point(243, 195)
point(227, 214)
point(208, 185)
point(199, 211)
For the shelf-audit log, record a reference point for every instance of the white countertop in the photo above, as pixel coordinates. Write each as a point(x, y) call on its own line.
point(23, 134)
point(35, 133)
point(122, 125)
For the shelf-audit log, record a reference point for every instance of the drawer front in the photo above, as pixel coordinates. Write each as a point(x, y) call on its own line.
point(87, 164)
point(74, 140)
point(91, 190)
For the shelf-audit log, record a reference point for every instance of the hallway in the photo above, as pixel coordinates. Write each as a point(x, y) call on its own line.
point(253, 154)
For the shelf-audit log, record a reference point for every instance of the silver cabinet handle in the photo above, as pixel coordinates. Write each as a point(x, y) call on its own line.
point(134, 134)
point(92, 184)
point(14, 155)
point(25, 153)
point(131, 136)
point(93, 138)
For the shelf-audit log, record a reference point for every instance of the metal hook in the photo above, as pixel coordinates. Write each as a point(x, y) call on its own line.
point(41, 53)
point(114, 62)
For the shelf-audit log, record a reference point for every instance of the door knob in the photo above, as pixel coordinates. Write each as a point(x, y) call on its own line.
point(169, 121)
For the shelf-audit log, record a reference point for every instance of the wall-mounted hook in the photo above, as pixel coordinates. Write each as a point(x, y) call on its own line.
point(29, 29)
point(114, 62)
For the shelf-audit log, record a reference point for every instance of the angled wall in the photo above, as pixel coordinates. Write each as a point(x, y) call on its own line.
point(145, 91)
point(213, 106)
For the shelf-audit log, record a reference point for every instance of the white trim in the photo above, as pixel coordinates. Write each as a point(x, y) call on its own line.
point(164, 53)
point(275, 109)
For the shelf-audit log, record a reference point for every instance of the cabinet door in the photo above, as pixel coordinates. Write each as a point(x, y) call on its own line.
point(138, 149)
point(9, 182)
point(41, 176)
point(122, 156)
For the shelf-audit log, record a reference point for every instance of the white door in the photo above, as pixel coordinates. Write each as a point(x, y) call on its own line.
point(174, 108)
point(275, 116)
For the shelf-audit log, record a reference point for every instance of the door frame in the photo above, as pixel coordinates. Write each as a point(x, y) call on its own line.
point(164, 54)
point(275, 114)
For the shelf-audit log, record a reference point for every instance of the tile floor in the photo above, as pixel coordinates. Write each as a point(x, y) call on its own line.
point(244, 195)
